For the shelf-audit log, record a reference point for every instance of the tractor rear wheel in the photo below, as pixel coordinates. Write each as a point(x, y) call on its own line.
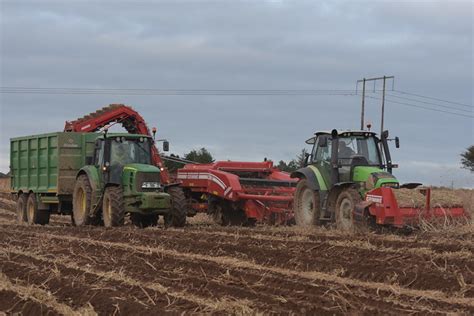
point(306, 205)
point(21, 208)
point(82, 203)
point(177, 215)
point(345, 206)
point(33, 214)
point(143, 221)
point(113, 207)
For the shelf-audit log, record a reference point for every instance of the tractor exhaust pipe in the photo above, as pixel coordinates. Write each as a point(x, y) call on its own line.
point(335, 157)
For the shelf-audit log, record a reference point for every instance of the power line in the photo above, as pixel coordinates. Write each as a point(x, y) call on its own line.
point(431, 98)
point(422, 107)
point(212, 92)
point(430, 103)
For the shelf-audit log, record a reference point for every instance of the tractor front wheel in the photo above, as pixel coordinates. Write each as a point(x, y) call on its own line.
point(113, 207)
point(177, 215)
point(345, 206)
point(306, 205)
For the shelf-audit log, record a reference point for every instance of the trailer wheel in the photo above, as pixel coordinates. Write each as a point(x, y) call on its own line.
point(306, 205)
point(177, 215)
point(113, 207)
point(33, 214)
point(345, 205)
point(21, 208)
point(144, 221)
point(82, 202)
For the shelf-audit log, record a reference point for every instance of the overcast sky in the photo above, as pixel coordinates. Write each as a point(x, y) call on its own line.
point(426, 45)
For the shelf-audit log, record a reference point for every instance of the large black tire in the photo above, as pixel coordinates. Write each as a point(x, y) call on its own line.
point(144, 221)
point(113, 207)
point(179, 205)
point(21, 208)
point(82, 203)
point(345, 205)
point(33, 214)
point(306, 206)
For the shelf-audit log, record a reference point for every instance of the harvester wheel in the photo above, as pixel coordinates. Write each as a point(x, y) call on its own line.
point(113, 207)
point(82, 202)
point(33, 214)
point(306, 205)
point(144, 221)
point(345, 205)
point(21, 208)
point(177, 215)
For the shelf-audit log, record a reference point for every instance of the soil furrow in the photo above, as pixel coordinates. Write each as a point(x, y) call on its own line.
point(208, 278)
point(39, 295)
point(416, 271)
point(433, 296)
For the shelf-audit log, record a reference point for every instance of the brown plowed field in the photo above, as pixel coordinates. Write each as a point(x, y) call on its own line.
point(60, 269)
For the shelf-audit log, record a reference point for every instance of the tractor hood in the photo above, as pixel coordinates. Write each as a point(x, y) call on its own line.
point(141, 167)
point(374, 177)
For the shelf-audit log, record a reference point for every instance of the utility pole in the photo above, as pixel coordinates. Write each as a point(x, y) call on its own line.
point(383, 105)
point(384, 78)
point(363, 106)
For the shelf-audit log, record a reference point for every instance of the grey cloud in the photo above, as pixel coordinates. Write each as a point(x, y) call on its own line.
point(241, 45)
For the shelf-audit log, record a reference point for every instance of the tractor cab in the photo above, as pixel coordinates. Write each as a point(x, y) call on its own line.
point(351, 149)
point(115, 152)
point(344, 156)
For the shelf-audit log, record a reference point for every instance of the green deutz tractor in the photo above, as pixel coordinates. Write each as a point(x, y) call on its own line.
point(341, 168)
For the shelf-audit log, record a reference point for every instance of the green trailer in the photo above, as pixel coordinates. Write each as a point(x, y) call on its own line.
point(94, 177)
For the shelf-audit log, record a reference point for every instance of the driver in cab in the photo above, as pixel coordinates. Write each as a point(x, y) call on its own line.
point(345, 151)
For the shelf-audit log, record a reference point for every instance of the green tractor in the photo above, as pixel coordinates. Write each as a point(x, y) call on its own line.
point(342, 167)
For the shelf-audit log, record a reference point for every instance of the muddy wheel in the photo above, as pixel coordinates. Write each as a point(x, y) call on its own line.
point(306, 205)
point(82, 202)
point(177, 215)
point(345, 205)
point(33, 214)
point(21, 208)
point(144, 221)
point(225, 214)
point(113, 208)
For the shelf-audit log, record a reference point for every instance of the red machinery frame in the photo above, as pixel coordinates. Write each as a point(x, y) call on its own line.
point(261, 191)
point(382, 204)
point(130, 120)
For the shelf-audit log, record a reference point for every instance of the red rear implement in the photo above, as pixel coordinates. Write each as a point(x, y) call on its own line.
point(382, 204)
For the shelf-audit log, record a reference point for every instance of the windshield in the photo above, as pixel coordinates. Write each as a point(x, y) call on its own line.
point(349, 147)
point(125, 151)
point(361, 146)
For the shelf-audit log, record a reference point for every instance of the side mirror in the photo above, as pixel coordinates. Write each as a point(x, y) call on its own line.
point(385, 134)
point(397, 142)
point(166, 145)
point(89, 160)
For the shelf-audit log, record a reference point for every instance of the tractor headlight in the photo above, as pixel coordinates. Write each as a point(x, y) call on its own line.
point(150, 185)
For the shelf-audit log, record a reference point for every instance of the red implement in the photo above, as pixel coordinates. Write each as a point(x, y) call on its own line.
point(240, 192)
point(382, 204)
